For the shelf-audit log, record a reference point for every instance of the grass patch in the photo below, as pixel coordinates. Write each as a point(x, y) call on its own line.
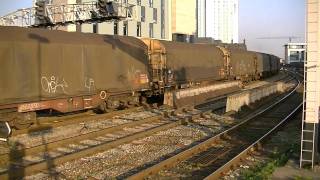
point(302, 178)
point(264, 170)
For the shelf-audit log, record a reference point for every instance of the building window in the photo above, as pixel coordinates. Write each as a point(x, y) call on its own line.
point(294, 55)
point(94, 27)
point(115, 28)
point(143, 13)
point(125, 28)
point(150, 3)
point(138, 29)
point(151, 35)
point(162, 20)
point(78, 28)
point(139, 2)
point(155, 15)
point(302, 56)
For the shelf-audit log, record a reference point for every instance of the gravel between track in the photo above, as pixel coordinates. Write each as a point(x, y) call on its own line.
point(118, 161)
point(55, 134)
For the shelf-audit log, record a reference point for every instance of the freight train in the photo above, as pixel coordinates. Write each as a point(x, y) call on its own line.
point(70, 71)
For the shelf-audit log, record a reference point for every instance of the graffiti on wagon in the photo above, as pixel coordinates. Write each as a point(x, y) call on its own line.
point(53, 84)
point(89, 84)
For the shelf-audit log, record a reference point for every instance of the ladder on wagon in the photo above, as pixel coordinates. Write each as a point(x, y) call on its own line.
point(311, 98)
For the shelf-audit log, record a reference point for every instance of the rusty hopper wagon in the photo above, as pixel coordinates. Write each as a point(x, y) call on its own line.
point(69, 71)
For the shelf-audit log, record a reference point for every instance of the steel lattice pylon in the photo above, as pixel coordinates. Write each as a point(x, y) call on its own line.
point(68, 14)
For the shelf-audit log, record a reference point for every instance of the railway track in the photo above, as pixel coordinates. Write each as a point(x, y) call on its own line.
point(44, 123)
point(49, 155)
point(53, 122)
point(45, 160)
point(221, 152)
point(103, 140)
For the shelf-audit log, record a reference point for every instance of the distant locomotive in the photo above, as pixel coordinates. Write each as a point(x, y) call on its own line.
point(70, 71)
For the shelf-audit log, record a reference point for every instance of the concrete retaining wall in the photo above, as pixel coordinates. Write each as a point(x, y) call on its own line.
point(236, 101)
point(197, 95)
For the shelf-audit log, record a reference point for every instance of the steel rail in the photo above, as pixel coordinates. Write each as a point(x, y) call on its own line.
point(76, 139)
point(36, 167)
point(63, 121)
point(73, 116)
point(230, 164)
point(202, 146)
point(33, 168)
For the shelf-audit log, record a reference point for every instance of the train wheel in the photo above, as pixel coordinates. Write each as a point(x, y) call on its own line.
point(19, 124)
point(24, 120)
point(5, 131)
point(103, 107)
point(143, 101)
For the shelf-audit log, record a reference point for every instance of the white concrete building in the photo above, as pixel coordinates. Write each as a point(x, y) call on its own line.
point(201, 18)
point(295, 53)
point(151, 20)
point(218, 19)
point(310, 144)
point(183, 20)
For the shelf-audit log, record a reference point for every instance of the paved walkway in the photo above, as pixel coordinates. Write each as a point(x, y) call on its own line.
point(292, 171)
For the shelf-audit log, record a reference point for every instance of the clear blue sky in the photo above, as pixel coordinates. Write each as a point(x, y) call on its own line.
point(270, 18)
point(257, 18)
point(7, 6)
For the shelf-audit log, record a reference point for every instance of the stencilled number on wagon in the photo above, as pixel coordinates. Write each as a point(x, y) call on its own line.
point(53, 84)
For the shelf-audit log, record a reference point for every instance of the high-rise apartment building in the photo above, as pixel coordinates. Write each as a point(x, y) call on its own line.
point(218, 19)
point(159, 19)
point(310, 137)
point(201, 18)
point(150, 19)
point(183, 20)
